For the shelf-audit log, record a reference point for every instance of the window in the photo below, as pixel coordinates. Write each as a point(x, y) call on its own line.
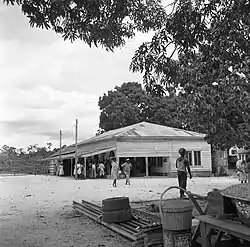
point(197, 158)
point(189, 157)
point(156, 161)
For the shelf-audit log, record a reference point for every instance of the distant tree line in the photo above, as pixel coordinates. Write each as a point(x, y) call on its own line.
point(23, 160)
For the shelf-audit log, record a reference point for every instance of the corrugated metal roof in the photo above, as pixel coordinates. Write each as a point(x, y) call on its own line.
point(142, 129)
point(145, 129)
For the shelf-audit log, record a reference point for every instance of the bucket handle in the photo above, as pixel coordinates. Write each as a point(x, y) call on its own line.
point(164, 192)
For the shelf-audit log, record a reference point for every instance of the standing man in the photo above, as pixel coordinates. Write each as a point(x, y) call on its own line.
point(127, 166)
point(182, 165)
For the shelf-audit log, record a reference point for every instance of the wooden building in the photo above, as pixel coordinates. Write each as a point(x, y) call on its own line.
point(152, 148)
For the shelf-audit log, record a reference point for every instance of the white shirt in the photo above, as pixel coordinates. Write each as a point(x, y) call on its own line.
point(78, 166)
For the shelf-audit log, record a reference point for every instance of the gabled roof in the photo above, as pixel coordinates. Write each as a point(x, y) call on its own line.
point(140, 130)
point(145, 129)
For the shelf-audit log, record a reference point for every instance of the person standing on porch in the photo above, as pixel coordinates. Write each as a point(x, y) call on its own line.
point(182, 165)
point(78, 170)
point(93, 169)
point(127, 166)
point(101, 170)
point(114, 171)
point(61, 171)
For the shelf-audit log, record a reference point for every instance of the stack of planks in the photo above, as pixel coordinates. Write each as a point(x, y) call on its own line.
point(143, 230)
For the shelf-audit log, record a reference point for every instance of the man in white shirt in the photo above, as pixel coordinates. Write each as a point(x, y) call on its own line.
point(182, 166)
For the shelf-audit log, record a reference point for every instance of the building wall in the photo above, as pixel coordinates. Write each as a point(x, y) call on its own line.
point(169, 149)
point(193, 145)
point(143, 148)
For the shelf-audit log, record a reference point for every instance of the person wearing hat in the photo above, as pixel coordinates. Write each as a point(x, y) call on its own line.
point(127, 166)
point(182, 166)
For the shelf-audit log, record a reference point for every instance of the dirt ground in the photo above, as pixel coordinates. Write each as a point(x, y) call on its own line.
point(37, 211)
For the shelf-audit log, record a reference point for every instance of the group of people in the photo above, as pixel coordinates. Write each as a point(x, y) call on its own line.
point(97, 170)
point(241, 170)
point(78, 171)
point(115, 170)
point(182, 166)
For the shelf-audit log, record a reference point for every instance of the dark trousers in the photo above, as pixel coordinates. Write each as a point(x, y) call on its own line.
point(182, 179)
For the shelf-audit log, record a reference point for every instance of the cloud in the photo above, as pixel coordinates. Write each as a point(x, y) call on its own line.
point(44, 88)
point(46, 83)
point(43, 111)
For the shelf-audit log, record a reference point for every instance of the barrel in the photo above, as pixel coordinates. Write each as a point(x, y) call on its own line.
point(116, 210)
point(52, 169)
point(177, 215)
point(176, 220)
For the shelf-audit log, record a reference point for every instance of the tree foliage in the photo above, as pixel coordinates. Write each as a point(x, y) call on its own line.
point(130, 104)
point(101, 22)
point(211, 39)
point(33, 152)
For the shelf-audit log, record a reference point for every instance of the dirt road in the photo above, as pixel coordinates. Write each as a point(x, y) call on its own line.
point(37, 210)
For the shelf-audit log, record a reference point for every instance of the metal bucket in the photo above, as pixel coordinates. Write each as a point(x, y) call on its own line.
point(176, 219)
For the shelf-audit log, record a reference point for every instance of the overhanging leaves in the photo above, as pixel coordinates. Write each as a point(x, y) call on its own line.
point(107, 23)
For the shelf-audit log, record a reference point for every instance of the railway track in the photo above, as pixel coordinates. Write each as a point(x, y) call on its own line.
point(143, 230)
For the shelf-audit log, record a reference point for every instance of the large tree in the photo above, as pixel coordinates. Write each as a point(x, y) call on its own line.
point(101, 22)
point(211, 39)
point(130, 104)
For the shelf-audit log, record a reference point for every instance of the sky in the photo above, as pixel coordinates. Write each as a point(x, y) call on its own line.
point(46, 83)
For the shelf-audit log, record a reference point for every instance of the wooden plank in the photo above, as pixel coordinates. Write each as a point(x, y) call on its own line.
point(118, 229)
point(205, 236)
point(217, 239)
point(197, 229)
point(146, 161)
point(201, 212)
point(233, 228)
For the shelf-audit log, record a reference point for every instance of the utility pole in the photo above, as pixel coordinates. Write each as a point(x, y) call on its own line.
point(76, 148)
point(60, 146)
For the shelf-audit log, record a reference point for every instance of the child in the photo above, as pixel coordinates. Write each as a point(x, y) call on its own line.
point(114, 171)
point(127, 166)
